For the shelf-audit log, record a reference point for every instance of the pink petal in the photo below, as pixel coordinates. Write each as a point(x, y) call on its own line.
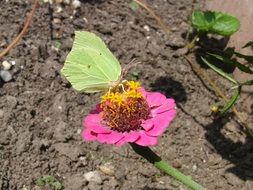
point(167, 105)
point(92, 119)
point(155, 98)
point(128, 137)
point(88, 135)
point(93, 123)
point(110, 138)
point(146, 140)
point(147, 125)
point(161, 122)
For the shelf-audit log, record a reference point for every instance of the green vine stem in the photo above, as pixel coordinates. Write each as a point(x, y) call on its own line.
point(192, 44)
point(153, 158)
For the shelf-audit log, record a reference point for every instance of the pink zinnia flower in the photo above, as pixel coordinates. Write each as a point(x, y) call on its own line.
point(129, 114)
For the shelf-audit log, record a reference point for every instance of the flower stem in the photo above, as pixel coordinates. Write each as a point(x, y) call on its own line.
point(153, 158)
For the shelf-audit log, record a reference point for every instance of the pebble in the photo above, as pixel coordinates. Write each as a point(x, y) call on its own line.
point(5, 75)
point(6, 65)
point(13, 63)
point(56, 20)
point(146, 27)
point(107, 169)
point(76, 4)
point(93, 176)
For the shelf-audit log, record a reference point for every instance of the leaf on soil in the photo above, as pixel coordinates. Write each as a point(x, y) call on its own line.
point(231, 102)
point(219, 71)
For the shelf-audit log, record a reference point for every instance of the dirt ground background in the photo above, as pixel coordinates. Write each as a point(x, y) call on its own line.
point(41, 115)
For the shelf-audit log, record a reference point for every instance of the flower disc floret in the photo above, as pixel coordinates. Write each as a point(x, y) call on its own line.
point(125, 110)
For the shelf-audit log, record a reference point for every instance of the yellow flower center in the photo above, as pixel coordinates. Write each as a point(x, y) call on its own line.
point(124, 108)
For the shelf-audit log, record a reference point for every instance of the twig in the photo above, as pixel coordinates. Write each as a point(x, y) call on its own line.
point(26, 25)
point(218, 92)
point(157, 18)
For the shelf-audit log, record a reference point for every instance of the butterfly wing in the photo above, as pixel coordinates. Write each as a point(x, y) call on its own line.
point(90, 66)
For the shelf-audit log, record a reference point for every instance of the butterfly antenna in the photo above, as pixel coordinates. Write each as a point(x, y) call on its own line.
point(131, 64)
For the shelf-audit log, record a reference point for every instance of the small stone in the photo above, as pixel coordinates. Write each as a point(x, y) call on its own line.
point(56, 20)
point(107, 169)
point(58, 9)
point(6, 65)
point(6, 76)
point(76, 4)
point(194, 168)
point(93, 176)
point(13, 63)
point(146, 27)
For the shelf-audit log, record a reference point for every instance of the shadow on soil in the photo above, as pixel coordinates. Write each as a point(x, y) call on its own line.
point(170, 88)
point(238, 153)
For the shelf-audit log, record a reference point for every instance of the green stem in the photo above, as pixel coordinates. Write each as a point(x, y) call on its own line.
point(153, 158)
point(192, 43)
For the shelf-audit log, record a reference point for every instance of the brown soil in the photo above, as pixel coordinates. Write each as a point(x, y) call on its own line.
point(41, 115)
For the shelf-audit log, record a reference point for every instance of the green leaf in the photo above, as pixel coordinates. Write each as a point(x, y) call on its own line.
point(231, 102)
point(56, 185)
point(202, 21)
point(232, 62)
point(49, 180)
point(225, 25)
point(133, 5)
point(250, 43)
point(248, 58)
point(215, 22)
point(219, 71)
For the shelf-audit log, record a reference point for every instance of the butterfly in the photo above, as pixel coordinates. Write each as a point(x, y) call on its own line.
point(90, 66)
